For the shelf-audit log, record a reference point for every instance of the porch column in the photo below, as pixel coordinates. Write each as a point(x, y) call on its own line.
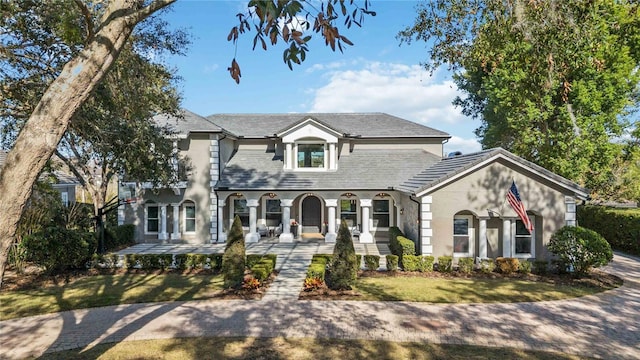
point(332, 156)
point(222, 236)
point(482, 239)
point(288, 156)
point(365, 235)
point(286, 236)
point(163, 223)
point(253, 235)
point(331, 235)
point(176, 222)
point(506, 237)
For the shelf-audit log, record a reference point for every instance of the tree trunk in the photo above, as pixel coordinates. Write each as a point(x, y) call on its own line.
point(50, 119)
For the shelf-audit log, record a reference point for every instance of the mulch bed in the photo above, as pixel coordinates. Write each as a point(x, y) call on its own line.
point(595, 278)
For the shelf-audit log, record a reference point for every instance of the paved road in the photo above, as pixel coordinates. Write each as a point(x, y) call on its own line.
point(605, 325)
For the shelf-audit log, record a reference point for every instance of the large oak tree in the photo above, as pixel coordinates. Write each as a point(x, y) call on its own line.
point(103, 40)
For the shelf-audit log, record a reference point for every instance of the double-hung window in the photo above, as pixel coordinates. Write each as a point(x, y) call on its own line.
point(524, 242)
point(273, 213)
point(189, 218)
point(349, 212)
point(381, 213)
point(241, 210)
point(463, 236)
point(153, 218)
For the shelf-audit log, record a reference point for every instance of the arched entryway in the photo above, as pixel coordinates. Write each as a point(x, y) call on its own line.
point(311, 214)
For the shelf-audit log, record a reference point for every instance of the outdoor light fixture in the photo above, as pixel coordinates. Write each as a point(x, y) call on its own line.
point(348, 195)
point(238, 195)
point(402, 211)
point(272, 195)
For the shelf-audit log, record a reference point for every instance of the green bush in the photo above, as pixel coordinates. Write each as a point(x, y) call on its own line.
point(233, 260)
point(540, 267)
point(426, 263)
point(487, 266)
point(394, 245)
point(507, 265)
point(106, 261)
point(252, 259)
point(525, 267)
point(580, 248)
point(392, 262)
point(316, 271)
point(344, 265)
point(620, 227)
point(411, 262)
point(465, 265)
point(260, 272)
point(58, 249)
point(372, 262)
point(445, 264)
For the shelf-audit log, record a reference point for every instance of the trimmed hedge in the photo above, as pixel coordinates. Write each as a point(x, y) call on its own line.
point(372, 262)
point(445, 264)
point(392, 262)
point(394, 246)
point(487, 266)
point(620, 227)
point(418, 263)
point(263, 268)
point(58, 249)
point(465, 265)
point(507, 265)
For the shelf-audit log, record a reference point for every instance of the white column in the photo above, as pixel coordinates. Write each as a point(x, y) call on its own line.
point(176, 222)
point(482, 239)
point(163, 223)
point(214, 176)
point(365, 235)
point(253, 235)
point(332, 156)
point(331, 235)
point(288, 156)
point(570, 213)
point(426, 232)
point(286, 236)
point(506, 237)
point(222, 236)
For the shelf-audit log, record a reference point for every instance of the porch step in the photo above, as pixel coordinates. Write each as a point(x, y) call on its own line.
point(310, 229)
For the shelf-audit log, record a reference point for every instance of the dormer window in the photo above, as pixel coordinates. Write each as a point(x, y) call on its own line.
point(311, 156)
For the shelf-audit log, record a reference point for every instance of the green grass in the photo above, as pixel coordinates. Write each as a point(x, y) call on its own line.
point(456, 290)
point(283, 348)
point(104, 290)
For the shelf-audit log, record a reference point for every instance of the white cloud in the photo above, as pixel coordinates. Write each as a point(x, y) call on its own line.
point(406, 91)
point(208, 69)
point(465, 146)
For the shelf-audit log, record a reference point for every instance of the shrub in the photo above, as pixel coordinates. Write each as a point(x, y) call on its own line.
point(252, 259)
point(445, 264)
point(620, 227)
point(394, 246)
point(426, 263)
point(312, 283)
point(580, 248)
point(233, 260)
point(392, 262)
point(525, 267)
point(106, 261)
point(465, 265)
point(260, 272)
point(487, 266)
point(316, 271)
point(344, 266)
point(372, 262)
point(507, 265)
point(58, 249)
point(411, 262)
point(540, 267)
point(250, 283)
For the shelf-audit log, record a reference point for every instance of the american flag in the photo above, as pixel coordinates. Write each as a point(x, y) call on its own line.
point(516, 203)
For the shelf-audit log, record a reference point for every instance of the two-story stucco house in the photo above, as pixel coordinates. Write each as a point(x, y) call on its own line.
point(372, 170)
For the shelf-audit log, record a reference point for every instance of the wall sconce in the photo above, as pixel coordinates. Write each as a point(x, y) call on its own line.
point(401, 211)
point(272, 195)
point(348, 195)
point(238, 195)
point(381, 195)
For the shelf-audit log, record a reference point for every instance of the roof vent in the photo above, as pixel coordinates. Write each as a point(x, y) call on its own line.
point(454, 154)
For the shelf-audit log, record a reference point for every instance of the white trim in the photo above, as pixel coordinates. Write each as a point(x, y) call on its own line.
point(184, 217)
point(325, 157)
point(309, 121)
point(493, 159)
point(470, 234)
point(528, 255)
point(147, 205)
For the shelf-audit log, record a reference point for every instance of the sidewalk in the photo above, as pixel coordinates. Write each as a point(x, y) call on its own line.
point(606, 325)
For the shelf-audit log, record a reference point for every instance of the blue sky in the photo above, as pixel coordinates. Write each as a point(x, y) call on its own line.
point(374, 75)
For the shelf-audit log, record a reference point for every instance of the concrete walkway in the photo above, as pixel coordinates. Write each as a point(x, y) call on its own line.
point(606, 325)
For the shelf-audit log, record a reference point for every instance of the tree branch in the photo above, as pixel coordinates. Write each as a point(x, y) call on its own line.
point(88, 20)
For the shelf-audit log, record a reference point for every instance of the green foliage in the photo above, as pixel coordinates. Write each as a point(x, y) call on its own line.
point(149, 261)
point(392, 262)
point(487, 266)
point(580, 248)
point(426, 265)
point(316, 270)
point(540, 267)
point(344, 265)
point(620, 227)
point(525, 267)
point(507, 265)
point(551, 81)
point(233, 260)
point(394, 245)
point(58, 249)
point(372, 262)
point(418, 263)
point(445, 264)
point(119, 236)
point(252, 259)
point(465, 265)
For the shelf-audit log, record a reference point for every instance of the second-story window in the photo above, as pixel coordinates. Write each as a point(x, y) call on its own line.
point(311, 156)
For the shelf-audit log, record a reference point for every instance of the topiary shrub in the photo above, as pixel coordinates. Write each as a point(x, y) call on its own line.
point(445, 264)
point(233, 260)
point(394, 245)
point(507, 265)
point(57, 249)
point(344, 265)
point(487, 266)
point(580, 249)
point(411, 262)
point(525, 267)
point(426, 263)
point(372, 262)
point(252, 259)
point(392, 262)
point(465, 265)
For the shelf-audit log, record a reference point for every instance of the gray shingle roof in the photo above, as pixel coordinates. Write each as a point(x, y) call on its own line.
point(355, 124)
point(258, 170)
point(189, 123)
point(447, 168)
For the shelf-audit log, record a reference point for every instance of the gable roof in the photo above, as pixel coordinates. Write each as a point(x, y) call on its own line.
point(251, 169)
point(369, 125)
point(450, 169)
point(187, 123)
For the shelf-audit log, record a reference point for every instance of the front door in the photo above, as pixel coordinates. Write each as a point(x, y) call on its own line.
point(311, 214)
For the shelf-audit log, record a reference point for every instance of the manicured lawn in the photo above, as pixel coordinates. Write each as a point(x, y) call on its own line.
point(104, 290)
point(281, 348)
